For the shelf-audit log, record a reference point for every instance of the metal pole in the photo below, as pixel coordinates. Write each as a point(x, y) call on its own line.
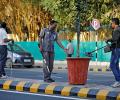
point(96, 47)
point(78, 34)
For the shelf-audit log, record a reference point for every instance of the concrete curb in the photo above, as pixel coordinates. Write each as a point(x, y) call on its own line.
point(91, 69)
point(99, 69)
point(53, 88)
point(95, 69)
point(93, 66)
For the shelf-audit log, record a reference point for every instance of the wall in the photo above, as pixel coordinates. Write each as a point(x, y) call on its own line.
point(32, 47)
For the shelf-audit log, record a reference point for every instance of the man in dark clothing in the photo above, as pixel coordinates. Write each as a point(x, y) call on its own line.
point(47, 38)
point(115, 56)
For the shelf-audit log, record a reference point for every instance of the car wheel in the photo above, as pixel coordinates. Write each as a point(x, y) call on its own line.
point(9, 63)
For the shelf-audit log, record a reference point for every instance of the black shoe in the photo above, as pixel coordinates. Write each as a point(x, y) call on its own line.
point(52, 80)
point(49, 80)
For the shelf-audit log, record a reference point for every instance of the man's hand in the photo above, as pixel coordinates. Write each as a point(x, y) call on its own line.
point(65, 50)
point(8, 40)
point(41, 49)
point(12, 41)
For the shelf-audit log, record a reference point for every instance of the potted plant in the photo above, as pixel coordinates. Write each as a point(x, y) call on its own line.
point(78, 67)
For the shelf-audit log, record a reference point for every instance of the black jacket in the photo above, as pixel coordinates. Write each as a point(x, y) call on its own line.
point(115, 38)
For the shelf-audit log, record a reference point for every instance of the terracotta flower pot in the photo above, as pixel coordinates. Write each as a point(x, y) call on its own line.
point(77, 70)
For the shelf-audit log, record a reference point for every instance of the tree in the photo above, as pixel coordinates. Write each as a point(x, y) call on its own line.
point(24, 18)
point(35, 14)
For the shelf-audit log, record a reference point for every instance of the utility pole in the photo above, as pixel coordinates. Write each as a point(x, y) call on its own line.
point(78, 27)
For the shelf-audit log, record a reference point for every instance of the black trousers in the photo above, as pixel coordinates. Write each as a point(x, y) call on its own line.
point(69, 55)
point(3, 58)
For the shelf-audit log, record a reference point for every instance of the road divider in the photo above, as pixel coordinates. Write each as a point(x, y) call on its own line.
point(56, 89)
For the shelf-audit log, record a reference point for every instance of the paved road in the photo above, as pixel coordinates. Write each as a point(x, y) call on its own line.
point(12, 95)
point(99, 78)
point(95, 79)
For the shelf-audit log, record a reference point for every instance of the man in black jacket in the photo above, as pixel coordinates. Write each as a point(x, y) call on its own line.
point(115, 56)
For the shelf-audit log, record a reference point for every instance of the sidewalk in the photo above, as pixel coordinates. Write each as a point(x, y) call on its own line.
point(100, 92)
point(93, 66)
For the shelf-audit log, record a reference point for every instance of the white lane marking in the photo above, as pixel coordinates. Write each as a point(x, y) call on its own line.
point(44, 95)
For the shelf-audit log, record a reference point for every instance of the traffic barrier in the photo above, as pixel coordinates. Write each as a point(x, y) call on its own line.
point(54, 89)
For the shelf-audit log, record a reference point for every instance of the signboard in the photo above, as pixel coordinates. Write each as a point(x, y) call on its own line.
point(95, 24)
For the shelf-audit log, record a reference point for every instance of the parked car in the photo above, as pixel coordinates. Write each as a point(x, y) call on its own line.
point(17, 56)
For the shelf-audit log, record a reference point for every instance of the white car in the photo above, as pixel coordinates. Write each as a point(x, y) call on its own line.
point(18, 56)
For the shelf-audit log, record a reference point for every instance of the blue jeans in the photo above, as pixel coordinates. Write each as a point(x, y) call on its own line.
point(114, 64)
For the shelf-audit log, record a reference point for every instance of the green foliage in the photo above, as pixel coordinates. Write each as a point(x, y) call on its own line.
point(64, 11)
